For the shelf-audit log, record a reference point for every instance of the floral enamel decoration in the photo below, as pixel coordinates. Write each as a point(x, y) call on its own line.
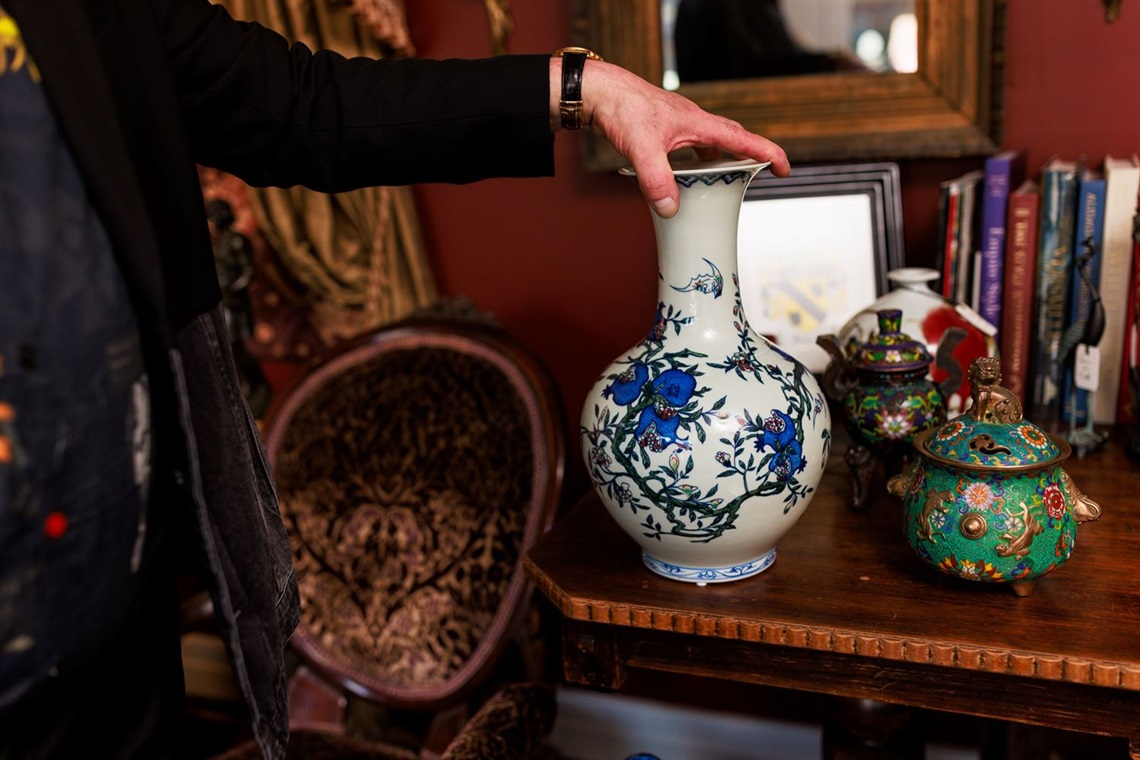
point(977, 496)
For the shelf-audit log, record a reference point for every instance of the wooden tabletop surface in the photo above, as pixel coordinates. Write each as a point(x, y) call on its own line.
point(847, 582)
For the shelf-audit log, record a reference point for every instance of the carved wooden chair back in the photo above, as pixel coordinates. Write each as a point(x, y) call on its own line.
point(414, 468)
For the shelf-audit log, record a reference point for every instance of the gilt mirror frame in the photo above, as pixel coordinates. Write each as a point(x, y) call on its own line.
point(950, 107)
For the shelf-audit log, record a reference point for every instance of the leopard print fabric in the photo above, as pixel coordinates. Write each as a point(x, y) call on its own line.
point(512, 724)
point(405, 482)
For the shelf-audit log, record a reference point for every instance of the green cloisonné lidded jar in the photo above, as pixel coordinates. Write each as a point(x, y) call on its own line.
point(986, 499)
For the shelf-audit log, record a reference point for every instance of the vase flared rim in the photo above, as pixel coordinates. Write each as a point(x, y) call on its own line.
point(718, 166)
point(913, 275)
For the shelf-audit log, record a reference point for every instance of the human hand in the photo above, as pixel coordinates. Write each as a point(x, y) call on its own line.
point(645, 123)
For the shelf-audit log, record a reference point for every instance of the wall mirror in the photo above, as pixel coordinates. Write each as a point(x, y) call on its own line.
point(939, 97)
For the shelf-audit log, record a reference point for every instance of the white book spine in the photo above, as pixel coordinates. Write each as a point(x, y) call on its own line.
point(1122, 176)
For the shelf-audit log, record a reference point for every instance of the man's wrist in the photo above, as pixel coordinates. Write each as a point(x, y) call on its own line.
point(567, 70)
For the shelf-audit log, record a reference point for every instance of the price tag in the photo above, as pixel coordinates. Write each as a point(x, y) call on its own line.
point(1086, 372)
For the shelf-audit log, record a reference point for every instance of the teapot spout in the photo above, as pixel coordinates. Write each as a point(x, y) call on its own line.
point(1084, 508)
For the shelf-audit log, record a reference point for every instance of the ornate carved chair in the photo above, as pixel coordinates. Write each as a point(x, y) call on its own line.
point(414, 468)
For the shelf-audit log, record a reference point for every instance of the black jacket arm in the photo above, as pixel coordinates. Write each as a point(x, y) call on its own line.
point(279, 114)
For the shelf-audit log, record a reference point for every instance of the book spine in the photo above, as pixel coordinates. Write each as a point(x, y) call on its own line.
point(950, 244)
point(1123, 184)
point(967, 221)
point(1129, 396)
point(1017, 309)
point(976, 280)
point(1088, 244)
point(940, 253)
point(1055, 238)
point(994, 201)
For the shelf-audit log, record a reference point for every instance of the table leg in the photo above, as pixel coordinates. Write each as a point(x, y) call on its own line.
point(1019, 741)
point(589, 658)
point(866, 729)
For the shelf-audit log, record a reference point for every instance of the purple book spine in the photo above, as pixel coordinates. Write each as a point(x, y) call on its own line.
point(999, 174)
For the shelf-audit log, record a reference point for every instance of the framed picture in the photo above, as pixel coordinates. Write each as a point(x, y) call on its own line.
point(815, 248)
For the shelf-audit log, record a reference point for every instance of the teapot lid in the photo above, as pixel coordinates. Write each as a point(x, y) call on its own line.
point(991, 433)
point(890, 349)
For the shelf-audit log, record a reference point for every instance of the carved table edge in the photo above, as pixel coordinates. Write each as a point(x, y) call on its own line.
point(922, 651)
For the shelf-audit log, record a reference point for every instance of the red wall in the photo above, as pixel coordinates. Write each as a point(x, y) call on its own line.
point(568, 264)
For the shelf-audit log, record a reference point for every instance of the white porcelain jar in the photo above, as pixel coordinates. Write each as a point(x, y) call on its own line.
point(926, 316)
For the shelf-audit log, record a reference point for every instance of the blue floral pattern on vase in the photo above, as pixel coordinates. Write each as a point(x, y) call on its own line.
point(660, 391)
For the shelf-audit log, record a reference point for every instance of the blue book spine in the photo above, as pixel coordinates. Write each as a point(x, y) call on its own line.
point(1088, 238)
point(1055, 240)
point(1001, 171)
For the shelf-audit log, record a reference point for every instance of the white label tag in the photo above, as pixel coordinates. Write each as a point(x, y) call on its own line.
point(1086, 372)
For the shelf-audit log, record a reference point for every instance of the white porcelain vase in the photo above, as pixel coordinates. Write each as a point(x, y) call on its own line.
point(704, 441)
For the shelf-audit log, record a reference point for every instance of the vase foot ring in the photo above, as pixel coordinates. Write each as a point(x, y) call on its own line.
point(705, 575)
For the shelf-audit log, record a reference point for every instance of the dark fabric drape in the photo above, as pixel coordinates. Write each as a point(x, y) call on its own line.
point(356, 260)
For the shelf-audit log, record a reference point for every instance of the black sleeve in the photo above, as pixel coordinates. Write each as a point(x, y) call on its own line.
point(279, 114)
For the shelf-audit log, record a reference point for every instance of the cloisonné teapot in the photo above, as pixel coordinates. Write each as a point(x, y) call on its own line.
point(987, 499)
point(886, 395)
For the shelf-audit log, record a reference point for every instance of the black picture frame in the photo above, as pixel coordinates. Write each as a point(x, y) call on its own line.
point(807, 267)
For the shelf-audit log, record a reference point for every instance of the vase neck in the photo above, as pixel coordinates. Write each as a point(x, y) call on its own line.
point(915, 279)
point(697, 247)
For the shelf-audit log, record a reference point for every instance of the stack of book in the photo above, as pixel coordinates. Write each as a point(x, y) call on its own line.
point(1051, 260)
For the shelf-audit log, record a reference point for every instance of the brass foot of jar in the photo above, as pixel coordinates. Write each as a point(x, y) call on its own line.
point(1023, 588)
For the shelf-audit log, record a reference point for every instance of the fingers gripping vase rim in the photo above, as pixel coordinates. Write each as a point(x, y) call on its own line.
point(719, 166)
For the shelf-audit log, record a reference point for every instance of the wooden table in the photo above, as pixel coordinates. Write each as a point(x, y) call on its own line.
point(848, 610)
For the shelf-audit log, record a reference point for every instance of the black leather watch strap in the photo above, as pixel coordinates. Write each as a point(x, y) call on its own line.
point(570, 103)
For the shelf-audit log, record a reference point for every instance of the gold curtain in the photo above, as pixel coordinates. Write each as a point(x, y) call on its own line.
point(359, 255)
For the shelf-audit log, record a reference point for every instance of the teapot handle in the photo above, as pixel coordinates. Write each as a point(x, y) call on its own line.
point(838, 375)
point(944, 360)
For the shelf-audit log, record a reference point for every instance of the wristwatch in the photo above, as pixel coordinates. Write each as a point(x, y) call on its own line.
point(570, 104)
